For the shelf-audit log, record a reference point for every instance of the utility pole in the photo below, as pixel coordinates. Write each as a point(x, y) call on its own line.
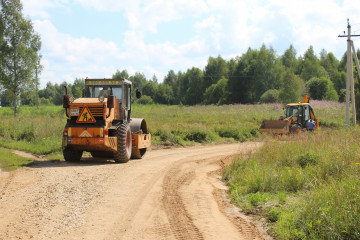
point(349, 78)
point(36, 86)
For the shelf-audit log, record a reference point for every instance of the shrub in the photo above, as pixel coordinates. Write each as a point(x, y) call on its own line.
point(274, 214)
point(167, 136)
point(228, 132)
point(308, 159)
point(197, 135)
point(144, 100)
point(270, 96)
point(257, 198)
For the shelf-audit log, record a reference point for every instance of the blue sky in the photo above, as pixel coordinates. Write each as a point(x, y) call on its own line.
point(94, 38)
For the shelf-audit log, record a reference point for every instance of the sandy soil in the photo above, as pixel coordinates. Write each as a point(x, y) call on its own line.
point(169, 194)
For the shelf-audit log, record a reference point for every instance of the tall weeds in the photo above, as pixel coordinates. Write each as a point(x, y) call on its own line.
point(319, 174)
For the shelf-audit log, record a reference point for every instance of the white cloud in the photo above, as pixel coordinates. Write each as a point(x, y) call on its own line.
point(134, 48)
point(38, 8)
point(225, 27)
point(66, 56)
point(73, 50)
point(145, 16)
point(317, 23)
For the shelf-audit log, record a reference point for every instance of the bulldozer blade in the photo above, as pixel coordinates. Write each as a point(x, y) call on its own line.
point(275, 126)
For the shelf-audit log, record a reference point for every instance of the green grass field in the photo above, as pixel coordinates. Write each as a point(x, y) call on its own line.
point(39, 131)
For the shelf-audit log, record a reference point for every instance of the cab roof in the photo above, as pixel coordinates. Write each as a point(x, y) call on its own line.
point(298, 104)
point(106, 81)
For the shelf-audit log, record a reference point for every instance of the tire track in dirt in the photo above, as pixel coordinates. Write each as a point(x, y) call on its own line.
point(8, 180)
point(181, 223)
point(244, 224)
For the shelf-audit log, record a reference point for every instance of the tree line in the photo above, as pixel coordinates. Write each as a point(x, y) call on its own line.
point(257, 76)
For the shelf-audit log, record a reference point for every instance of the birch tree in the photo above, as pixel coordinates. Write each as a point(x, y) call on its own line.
point(19, 46)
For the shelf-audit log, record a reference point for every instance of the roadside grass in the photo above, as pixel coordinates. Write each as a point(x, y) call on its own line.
point(306, 185)
point(39, 133)
point(10, 161)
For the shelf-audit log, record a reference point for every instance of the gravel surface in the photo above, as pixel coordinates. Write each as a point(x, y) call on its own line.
point(169, 194)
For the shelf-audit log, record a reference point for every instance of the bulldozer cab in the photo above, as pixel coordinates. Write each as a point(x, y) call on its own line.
point(104, 88)
point(303, 112)
point(293, 111)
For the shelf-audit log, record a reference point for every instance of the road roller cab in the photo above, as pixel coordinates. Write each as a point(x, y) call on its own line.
point(100, 122)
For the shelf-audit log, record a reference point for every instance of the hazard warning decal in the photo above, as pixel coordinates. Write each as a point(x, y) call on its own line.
point(85, 116)
point(85, 134)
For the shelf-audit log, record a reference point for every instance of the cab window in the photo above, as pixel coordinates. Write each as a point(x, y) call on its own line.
point(306, 113)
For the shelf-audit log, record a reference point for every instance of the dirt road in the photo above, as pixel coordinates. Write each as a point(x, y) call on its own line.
point(169, 194)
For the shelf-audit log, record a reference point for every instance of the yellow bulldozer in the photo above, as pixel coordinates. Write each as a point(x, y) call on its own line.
point(100, 122)
point(298, 117)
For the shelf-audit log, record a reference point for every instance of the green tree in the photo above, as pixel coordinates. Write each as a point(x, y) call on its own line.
point(322, 89)
point(194, 92)
point(339, 80)
point(144, 100)
point(77, 87)
point(290, 90)
point(318, 88)
point(164, 94)
point(176, 88)
point(59, 92)
point(311, 66)
point(217, 93)
point(38, 70)
point(138, 80)
point(5, 98)
point(241, 83)
point(289, 60)
point(149, 89)
point(255, 73)
point(329, 62)
point(154, 79)
point(215, 69)
point(48, 92)
point(266, 70)
point(170, 78)
point(342, 64)
point(122, 74)
point(270, 96)
point(19, 47)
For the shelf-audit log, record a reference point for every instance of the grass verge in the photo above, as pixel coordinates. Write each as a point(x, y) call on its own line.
point(10, 161)
point(307, 185)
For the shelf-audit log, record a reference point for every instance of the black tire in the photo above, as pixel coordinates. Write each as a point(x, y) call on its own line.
point(124, 143)
point(138, 153)
point(72, 156)
point(102, 154)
